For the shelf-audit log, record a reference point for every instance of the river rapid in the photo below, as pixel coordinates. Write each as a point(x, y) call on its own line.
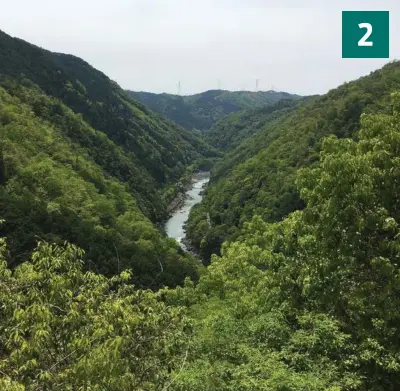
point(175, 226)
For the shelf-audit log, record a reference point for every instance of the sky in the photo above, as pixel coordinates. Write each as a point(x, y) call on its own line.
point(151, 45)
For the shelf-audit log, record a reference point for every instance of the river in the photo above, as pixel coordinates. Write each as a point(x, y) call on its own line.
point(175, 226)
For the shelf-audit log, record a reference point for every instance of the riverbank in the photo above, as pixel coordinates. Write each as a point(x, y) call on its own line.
point(179, 199)
point(175, 226)
point(174, 195)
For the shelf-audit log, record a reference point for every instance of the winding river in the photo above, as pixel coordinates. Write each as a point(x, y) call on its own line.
point(175, 225)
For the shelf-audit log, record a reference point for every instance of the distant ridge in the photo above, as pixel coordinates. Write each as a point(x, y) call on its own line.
point(201, 111)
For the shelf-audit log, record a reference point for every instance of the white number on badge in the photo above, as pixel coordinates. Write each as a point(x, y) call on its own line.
point(363, 41)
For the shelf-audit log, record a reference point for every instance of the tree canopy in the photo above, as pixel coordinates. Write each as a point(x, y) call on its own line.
point(258, 176)
point(83, 162)
point(299, 227)
point(202, 111)
point(309, 303)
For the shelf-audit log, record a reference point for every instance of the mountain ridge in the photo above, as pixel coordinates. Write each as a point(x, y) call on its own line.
point(156, 145)
point(83, 162)
point(258, 175)
point(202, 110)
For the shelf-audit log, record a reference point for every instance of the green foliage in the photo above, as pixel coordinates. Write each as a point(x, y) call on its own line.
point(153, 152)
point(310, 303)
point(358, 248)
point(202, 111)
point(63, 329)
point(230, 131)
point(55, 191)
point(258, 177)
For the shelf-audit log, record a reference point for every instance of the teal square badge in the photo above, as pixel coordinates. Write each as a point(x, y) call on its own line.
point(365, 34)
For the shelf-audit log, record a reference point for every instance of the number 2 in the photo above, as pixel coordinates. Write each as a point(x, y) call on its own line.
point(363, 41)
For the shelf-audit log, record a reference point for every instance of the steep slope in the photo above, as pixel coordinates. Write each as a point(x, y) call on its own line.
point(258, 177)
point(52, 189)
point(202, 111)
point(310, 303)
point(82, 161)
point(155, 149)
point(230, 131)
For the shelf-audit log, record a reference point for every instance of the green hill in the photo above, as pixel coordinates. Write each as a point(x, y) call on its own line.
point(258, 177)
point(306, 304)
point(231, 130)
point(156, 148)
point(82, 161)
point(305, 293)
point(202, 111)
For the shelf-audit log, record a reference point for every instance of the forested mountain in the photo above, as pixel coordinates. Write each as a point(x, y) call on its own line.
point(305, 293)
point(156, 149)
point(202, 111)
point(258, 177)
point(311, 302)
point(231, 130)
point(306, 304)
point(82, 161)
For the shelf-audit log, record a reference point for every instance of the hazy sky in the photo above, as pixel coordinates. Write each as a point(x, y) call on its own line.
point(292, 45)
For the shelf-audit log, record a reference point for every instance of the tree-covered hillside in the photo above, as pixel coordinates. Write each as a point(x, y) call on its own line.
point(81, 161)
point(306, 304)
point(231, 130)
point(156, 150)
point(202, 111)
point(258, 177)
point(304, 293)
point(52, 189)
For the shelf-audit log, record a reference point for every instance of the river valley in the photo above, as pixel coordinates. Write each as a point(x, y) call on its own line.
point(175, 226)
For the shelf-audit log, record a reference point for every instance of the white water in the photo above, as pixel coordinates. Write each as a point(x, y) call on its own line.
point(175, 225)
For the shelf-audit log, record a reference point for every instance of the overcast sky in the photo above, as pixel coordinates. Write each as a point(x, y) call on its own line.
point(150, 45)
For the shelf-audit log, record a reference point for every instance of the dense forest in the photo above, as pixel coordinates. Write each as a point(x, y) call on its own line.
point(156, 150)
point(231, 130)
point(257, 176)
point(306, 304)
point(202, 111)
point(299, 228)
point(81, 161)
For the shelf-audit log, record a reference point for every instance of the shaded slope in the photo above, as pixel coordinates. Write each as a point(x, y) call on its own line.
point(258, 177)
point(202, 111)
point(158, 149)
point(52, 189)
point(82, 161)
point(230, 131)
